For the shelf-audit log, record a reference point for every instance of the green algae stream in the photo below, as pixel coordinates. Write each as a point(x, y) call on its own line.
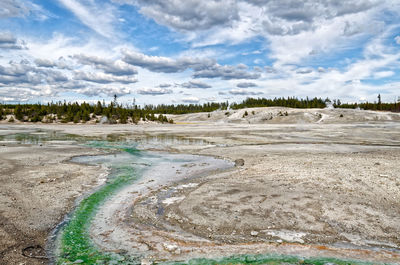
point(74, 239)
point(74, 244)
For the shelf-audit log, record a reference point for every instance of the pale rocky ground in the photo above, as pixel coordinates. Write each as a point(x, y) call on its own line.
point(279, 115)
point(314, 178)
point(38, 187)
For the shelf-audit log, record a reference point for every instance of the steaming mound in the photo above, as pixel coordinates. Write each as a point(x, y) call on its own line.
point(283, 115)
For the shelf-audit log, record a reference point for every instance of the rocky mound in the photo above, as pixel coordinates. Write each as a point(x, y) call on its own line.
point(277, 115)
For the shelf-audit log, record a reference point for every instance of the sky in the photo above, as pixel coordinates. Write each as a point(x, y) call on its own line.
point(195, 51)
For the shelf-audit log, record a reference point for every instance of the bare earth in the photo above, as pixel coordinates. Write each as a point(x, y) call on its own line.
point(38, 187)
point(326, 181)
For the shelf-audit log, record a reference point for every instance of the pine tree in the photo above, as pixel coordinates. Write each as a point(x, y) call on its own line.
point(18, 113)
point(86, 116)
point(77, 117)
point(379, 102)
point(123, 118)
point(1, 113)
point(98, 109)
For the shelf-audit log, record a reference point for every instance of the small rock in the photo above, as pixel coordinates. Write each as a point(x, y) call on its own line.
point(279, 241)
point(383, 175)
point(254, 233)
point(170, 248)
point(146, 262)
point(377, 164)
point(239, 162)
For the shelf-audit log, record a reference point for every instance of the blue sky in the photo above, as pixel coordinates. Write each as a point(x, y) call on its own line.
point(191, 51)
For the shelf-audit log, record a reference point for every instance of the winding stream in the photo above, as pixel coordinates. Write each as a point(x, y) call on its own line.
point(98, 216)
point(100, 230)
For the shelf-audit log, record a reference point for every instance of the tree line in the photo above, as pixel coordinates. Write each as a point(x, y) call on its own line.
point(393, 107)
point(379, 105)
point(117, 113)
point(290, 102)
point(111, 113)
point(293, 102)
point(80, 112)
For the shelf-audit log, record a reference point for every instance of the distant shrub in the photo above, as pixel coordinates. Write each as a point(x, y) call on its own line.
point(77, 118)
point(36, 118)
